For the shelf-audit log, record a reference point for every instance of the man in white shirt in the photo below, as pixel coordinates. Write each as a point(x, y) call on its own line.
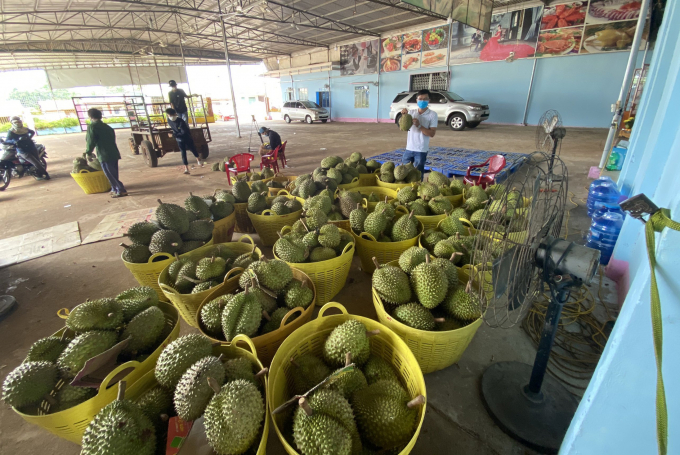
point(424, 127)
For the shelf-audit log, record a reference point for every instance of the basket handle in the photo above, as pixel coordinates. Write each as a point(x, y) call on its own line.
point(167, 289)
point(63, 313)
point(246, 339)
point(297, 309)
point(283, 192)
point(468, 225)
point(285, 229)
point(330, 305)
point(267, 212)
point(377, 299)
point(235, 271)
point(248, 238)
point(354, 180)
point(108, 380)
point(377, 171)
point(83, 171)
point(367, 236)
point(364, 203)
point(159, 255)
point(401, 209)
point(348, 247)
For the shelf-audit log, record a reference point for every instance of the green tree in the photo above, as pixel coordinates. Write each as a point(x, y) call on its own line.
point(31, 98)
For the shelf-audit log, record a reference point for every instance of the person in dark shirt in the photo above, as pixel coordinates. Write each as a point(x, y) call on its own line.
point(274, 141)
point(22, 139)
point(180, 129)
point(177, 98)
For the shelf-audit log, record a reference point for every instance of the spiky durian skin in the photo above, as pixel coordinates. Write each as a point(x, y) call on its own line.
point(47, 349)
point(392, 284)
point(307, 372)
point(178, 356)
point(414, 315)
point(349, 337)
point(430, 284)
point(382, 414)
point(377, 368)
point(144, 330)
point(233, 417)
point(102, 314)
point(28, 382)
point(193, 393)
point(119, 428)
point(82, 348)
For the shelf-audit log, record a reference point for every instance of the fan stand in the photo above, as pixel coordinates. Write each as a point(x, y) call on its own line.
point(537, 413)
point(254, 127)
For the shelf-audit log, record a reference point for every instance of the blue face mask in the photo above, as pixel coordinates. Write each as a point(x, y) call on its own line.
point(422, 104)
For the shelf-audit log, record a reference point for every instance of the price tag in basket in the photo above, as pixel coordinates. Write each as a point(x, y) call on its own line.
point(97, 368)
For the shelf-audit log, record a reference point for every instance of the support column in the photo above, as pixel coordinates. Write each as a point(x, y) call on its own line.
point(231, 82)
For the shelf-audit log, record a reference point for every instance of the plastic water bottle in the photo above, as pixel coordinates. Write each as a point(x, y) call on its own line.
point(604, 231)
point(602, 191)
point(616, 159)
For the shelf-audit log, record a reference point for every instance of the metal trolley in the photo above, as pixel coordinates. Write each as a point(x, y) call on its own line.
point(151, 134)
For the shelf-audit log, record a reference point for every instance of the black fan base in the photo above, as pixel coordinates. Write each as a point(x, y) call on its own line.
point(539, 423)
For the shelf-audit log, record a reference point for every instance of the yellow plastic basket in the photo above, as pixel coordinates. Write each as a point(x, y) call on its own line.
point(367, 180)
point(269, 224)
point(269, 343)
point(379, 191)
point(456, 200)
point(92, 182)
point(433, 350)
point(223, 230)
point(329, 276)
point(147, 274)
point(391, 186)
point(431, 221)
point(349, 186)
point(187, 304)
point(342, 224)
point(368, 247)
point(248, 174)
point(310, 339)
point(148, 381)
point(71, 423)
point(243, 223)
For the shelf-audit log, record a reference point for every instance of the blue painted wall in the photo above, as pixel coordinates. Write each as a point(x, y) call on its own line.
point(581, 87)
point(617, 413)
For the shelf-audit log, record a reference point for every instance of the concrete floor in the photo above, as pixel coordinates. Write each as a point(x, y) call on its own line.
point(456, 421)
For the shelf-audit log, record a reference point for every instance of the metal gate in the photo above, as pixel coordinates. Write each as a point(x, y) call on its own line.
point(430, 81)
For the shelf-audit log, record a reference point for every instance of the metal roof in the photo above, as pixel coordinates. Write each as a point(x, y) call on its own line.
point(105, 33)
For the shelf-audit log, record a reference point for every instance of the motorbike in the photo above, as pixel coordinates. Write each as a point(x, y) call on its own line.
point(13, 165)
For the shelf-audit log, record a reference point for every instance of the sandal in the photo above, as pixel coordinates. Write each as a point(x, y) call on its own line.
point(187, 172)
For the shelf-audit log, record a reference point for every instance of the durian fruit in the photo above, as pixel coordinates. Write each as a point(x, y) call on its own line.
point(257, 202)
point(211, 268)
point(440, 205)
point(452, 225)
point(144, 330)
point(119, 428)
point(199, 230)
point(315, 218)
point(391, 284)
point(193, 392)
point(101, 314)
point(438, 179)
point(462, 303)
point(430, 283)
point(135, 300)
point(349, 337)
point(405, 228)
point(239, 368)
point(449, 268)
point(322, 253)
point(165, 241)
point(220, 210)
point(225, 195)
point(357, 217)
point(385, 414)
point(233, 417)
point(190, 245)
point(275, 319)
point(405, 122)
point(412, 257)
point(307, 372)
point(347, 382)
point(136, 254)
point(242, 314)
point(156, 404)
point(46, 349)
point(414, 315)
point(407, 194)
point(172, 217)
point(178, 356)
point(70, 396)
point(329, 236)
point(29, 382)
point(431, 237)
point(457, 187)
point(376, 222)
point(246, 259)
point(324, 423)
point(377, 368)
point(241, 191)
point(82, 348)
point(211, 315)
point(444, 324)
point(428, 191)
point(386, 207)
point(297, 294)
point(204, 286)
point(141, 233)
point(198, 206)
point(275, 275)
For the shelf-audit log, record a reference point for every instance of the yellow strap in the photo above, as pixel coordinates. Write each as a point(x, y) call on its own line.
point(657, 223)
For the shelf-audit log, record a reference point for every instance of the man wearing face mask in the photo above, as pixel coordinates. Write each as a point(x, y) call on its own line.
point(180, 129)
point(21, 137)
point(424, 127)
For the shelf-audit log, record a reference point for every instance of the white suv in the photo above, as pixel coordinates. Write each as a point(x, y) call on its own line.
point(450, 108)
point(306, 111)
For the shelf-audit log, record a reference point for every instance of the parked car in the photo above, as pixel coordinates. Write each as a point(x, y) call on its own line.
point(306, 111)
point(450, 107)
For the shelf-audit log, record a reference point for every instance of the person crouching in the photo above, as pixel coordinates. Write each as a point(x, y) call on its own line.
point(180, 129)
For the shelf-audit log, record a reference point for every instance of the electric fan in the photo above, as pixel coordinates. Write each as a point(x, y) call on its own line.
point(545, 137)
point(517, 252)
